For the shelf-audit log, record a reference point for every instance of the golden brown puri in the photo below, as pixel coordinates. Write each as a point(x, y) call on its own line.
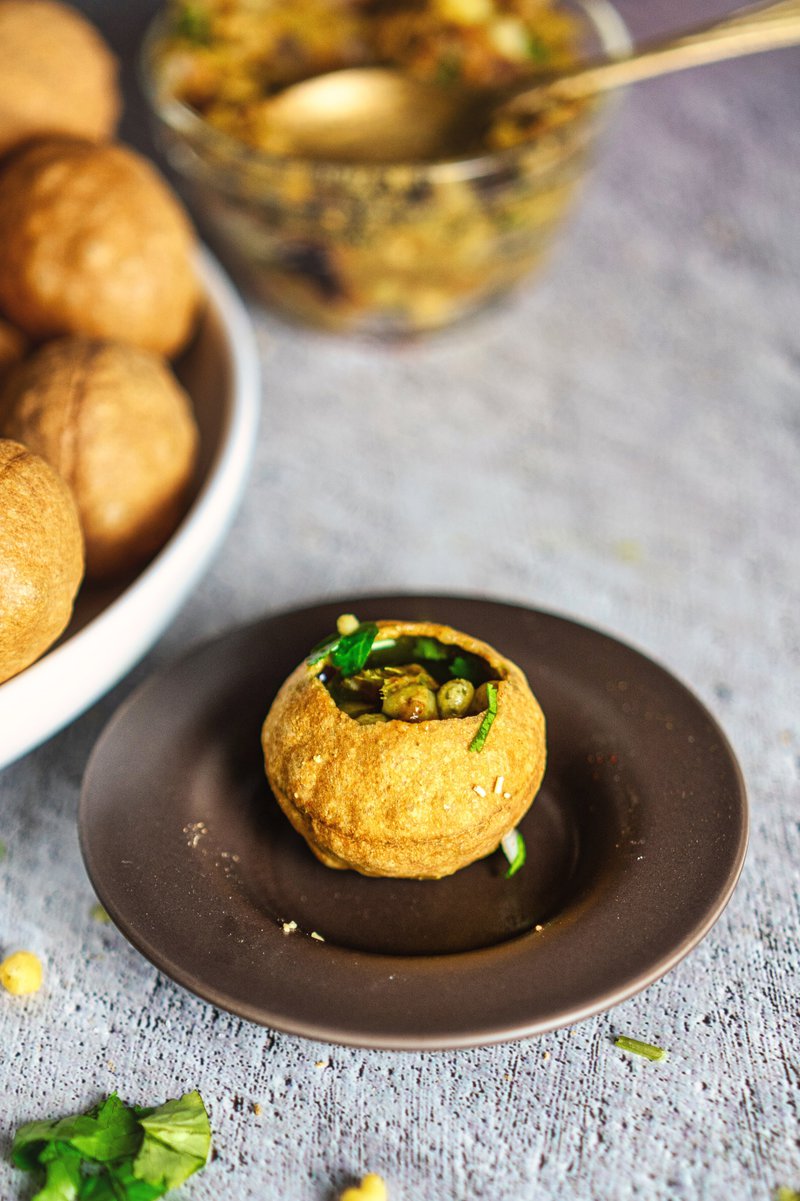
point(58, 76)
point(41, 557)
point(401, 799)
point(13, 347)
point(119, 429)
point(95, 243)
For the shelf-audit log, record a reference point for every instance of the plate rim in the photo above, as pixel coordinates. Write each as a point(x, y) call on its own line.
point(492, 1034)
point(186, 555)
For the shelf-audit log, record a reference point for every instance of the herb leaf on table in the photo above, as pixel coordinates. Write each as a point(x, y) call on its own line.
point(116, 1152)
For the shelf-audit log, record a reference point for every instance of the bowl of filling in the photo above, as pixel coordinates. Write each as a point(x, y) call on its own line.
point(390, 243)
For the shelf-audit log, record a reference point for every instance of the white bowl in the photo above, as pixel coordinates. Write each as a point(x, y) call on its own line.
point(113, 627)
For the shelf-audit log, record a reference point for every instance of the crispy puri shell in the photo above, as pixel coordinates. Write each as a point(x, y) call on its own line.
point(41, 557)
point(59, 77)
point(95, 243)
point(399, 799)
point(118, 428)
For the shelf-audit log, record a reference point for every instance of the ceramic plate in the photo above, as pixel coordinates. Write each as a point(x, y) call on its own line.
point(113, 627)
point(635, 843)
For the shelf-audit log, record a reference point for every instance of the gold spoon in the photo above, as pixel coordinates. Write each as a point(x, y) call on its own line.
point(380, 114)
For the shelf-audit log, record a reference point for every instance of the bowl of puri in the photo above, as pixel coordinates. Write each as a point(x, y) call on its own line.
point(405, 749)
point(128, 385)
point(401, 232)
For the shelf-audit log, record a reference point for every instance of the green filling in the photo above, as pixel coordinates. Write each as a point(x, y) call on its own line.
point(409, 678)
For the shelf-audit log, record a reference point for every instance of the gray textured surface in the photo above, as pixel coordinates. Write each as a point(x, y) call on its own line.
point(619, 443)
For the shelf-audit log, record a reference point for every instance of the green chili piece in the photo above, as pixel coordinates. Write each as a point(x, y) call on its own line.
point(648, 1050)
point(486, 724)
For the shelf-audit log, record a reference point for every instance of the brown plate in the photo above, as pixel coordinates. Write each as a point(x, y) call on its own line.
point(635, 843)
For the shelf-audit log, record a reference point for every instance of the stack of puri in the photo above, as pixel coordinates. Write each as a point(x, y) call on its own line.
point(98, 291)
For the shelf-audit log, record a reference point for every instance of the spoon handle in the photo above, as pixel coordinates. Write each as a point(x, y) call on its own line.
point(745, 32)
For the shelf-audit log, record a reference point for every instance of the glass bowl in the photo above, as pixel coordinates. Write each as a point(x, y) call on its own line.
point(373, 248)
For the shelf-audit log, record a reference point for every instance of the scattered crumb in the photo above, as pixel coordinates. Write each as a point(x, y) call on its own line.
point(318, 758)
point(195, 831)
point(480, 791)
point(545, 1056)
point(112, 1067)
point(506, 796)
point(98, 913)
point(289, 927)
point(318, 937)
point(322, 1063)
point(498, 784)
point(256, 1108)
point(538, 928)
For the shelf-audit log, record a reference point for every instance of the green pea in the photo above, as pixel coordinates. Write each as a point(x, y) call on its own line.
point(372, 719)
point(454, 698)
point(411, 702)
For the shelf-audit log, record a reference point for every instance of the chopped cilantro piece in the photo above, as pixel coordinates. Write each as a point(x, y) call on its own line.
point(62, 1167)
point(648, 1050)
point(176, 1142)
point(786, 1194)
point(462, 669)
point(489, 716)
point(322, 649)
point(352, 651)
point(108, 1131)
point(116, 1152)
point(3, 850)
point(429, 648)
point(347, 652)
point(513, 847)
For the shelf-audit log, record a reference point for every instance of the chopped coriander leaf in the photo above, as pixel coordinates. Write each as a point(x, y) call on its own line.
point(462, 669)
point(513, 847)
point(108, 1131)
point(117, 1183)
point(322, 649)
point(177, 1138)
point(429, 648)
point(786, 1194)
point(116, 1152)
point(3, 850)
point(486, 724)
point(648, 1050)
point(63, 1177)
point(352, 651)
